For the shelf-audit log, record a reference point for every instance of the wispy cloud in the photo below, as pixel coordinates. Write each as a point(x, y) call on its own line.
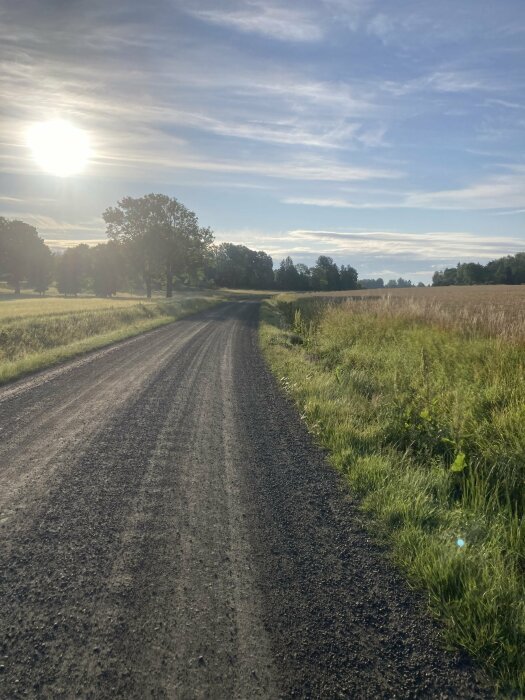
point(445, 245)
point(502, 191)
point(350, 13)
point(454, 81)
point(270, 20)
point(314, 169)
point(338, 203)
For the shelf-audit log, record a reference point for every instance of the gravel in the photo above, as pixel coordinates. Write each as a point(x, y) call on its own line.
point(169, 530)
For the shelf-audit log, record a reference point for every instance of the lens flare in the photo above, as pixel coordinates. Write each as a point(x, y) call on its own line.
point(59, 147)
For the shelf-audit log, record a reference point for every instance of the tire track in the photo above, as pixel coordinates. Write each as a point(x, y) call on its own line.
point(168, 530)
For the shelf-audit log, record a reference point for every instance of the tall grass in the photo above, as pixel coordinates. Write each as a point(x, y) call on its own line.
point(37, 333)
point(423, 410)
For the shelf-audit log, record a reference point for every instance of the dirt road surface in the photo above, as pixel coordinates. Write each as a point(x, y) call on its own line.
point(168, 530)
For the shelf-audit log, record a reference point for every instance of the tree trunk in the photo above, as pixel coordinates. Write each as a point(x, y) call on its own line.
point(148, 286)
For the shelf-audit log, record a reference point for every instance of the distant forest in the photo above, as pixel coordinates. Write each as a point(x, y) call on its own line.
point(507, 270)
point(156, 244)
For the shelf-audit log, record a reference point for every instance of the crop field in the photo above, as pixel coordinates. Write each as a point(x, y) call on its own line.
point(492, 310)
point(37, 332)
point(419, 396)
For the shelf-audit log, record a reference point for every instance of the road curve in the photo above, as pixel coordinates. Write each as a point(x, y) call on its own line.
point(168, 530)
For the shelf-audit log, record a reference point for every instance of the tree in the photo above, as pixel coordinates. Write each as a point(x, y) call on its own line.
point(304, 276)
point(41, 269)
point(263, 271)
point(507, 270)
point(162, 236)
point(372, 283)
point(470, 273)
point(287, 277)
point(239, 267)
point(74, 270)
point(21, 249)
point(399, 283)
point(107, 268)
point(348, 277)
point(325, 274)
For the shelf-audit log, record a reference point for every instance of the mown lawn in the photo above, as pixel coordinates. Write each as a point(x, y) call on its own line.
point(424, 413)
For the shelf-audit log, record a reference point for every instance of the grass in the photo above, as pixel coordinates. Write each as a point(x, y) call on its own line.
point(36, 333)
point(423, 411)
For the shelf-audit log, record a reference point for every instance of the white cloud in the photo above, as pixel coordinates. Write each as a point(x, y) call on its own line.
point(444, 245)
point(503, 191)
point(338, 203)
point(274, 21)
point(445, 81)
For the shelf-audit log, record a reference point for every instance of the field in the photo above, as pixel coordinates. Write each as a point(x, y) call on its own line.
point(419, 396)
point(37, 332)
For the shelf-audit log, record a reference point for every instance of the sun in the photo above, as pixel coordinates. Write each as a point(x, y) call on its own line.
point(59, 147)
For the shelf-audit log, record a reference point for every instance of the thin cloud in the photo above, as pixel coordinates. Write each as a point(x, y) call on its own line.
point(447, 245)
point(504, 191)
point(337, 203)
point(274, 21)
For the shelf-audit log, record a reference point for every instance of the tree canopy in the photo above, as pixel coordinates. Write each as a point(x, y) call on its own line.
point(162, 236)
point(24, 257)
point(240, 267)
point(507, 270)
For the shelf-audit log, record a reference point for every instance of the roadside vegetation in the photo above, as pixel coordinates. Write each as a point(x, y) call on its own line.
point(420, 401)
point(36, 333)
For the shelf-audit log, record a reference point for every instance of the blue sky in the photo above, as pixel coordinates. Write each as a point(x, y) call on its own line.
point(389, 135)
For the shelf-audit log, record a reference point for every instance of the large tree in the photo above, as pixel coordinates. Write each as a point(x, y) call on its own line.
point(163, 237)
point(325, 274)
point(74, 269)
point(348, 277)
point(21, 252)
point(107, 268)
point(286, 276)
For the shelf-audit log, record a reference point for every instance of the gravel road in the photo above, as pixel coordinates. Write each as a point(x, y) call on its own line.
point(168, 530)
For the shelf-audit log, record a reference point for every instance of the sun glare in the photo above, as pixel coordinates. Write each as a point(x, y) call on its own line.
point(59, 147)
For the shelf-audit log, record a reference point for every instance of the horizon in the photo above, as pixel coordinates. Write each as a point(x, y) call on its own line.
point(389, 139)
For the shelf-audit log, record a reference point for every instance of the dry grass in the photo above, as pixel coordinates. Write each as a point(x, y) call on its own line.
point(14, 309)
point(492, 311)
point(35, 333)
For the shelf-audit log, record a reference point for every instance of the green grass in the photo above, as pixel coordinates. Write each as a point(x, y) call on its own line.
point(427, 424)
point(36, 333)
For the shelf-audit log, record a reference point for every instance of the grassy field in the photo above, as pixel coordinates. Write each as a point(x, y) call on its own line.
point(419, 397)
point(36, 333)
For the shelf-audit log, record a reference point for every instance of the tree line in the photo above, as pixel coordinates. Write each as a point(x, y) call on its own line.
point(379, 283)
point(154, 243)
point(507, 270)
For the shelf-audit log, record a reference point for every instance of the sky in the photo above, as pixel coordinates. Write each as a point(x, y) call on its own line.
point(388, 134)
